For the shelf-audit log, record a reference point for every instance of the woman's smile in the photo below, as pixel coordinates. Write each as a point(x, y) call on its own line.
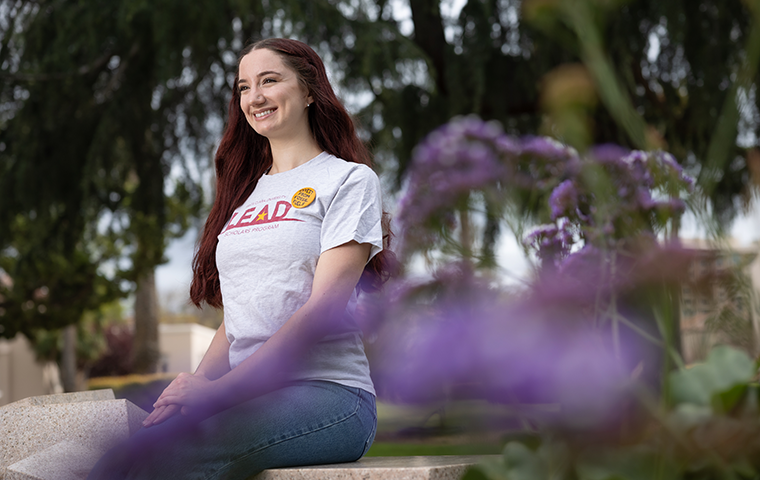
point(260, 115)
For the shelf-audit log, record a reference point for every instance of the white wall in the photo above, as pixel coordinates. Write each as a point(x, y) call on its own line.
point(182, 346)
point(21, 375)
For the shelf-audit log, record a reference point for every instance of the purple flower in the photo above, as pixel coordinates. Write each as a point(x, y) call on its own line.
point(644, 199)
point(539, 232)
point(540, 349)
point(637, 163)
point(636, 156)
point(468, 156)
point(507, 146)
point(546, 148)
point(564, 198)
point(551, 242)
point(668, 173)
point(608, 153)
point(669, 161)
point(464, 156)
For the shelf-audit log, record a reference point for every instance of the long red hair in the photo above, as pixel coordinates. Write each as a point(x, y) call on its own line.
point(244, 156)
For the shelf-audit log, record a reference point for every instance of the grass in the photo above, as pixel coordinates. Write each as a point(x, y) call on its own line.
point(473, 427)
point(401, 449)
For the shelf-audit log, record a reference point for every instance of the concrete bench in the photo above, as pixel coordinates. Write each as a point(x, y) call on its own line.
point(60, 437)
point(70, 461)
point(449, 467)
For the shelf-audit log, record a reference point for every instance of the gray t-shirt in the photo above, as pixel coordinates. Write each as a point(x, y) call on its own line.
point(268, 251)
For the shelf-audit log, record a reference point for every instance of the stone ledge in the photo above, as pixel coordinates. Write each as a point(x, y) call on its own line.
point(32, 431)
point(447, 467)
point(58, 398)
point(62, 461)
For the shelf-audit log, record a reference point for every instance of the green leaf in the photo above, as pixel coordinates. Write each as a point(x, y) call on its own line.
point(487, 470)
point(518, 462)
point(725, 369)
point(521, 463)
point(634, 463)
point(726, 400)
point(688, 415)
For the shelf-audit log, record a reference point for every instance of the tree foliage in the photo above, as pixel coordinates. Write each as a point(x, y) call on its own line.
point(645, 73)
point(107, 106)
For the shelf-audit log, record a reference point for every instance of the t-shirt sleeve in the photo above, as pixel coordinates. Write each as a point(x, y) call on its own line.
point(355, 213)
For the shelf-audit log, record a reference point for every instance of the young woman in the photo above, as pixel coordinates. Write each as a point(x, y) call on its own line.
point(296, 229)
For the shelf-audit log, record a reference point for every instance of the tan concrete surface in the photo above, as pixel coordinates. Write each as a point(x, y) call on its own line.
point(63, 461)
point(448, 467)
point(94, 420)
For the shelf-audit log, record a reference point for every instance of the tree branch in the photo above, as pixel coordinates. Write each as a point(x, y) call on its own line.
point(429, 35)
point(99, 63)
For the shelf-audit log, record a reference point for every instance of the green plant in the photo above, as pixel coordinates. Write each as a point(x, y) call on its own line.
point(707, 431)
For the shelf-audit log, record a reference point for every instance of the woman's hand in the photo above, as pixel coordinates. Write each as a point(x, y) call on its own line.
point(187, 390)
point(161, 414)
point(187, 393)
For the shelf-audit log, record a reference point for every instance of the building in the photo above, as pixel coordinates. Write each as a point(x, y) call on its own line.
point(21, 375)
point(719, 301)
point(182, 346)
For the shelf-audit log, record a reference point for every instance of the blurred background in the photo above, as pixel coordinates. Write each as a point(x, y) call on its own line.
point(110, 112)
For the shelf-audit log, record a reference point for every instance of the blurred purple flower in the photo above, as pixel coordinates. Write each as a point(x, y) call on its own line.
point(608, 153)
point(546, 148)
point(462, 156)
point(637, 162)
point(608, 197)
point(543, 163)
point(668, 173)
point(644, 200)
point(533, 350)
point(564, 198)
point(551, 242)
point(669, 161)
point(590, 269)
point(453, 334)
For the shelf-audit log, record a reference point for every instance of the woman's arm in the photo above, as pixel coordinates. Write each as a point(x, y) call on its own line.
point(216, 361)
point(337, 273)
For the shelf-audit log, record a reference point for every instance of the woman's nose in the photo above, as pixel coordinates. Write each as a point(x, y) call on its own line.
point(256, 96)
point(253, 97)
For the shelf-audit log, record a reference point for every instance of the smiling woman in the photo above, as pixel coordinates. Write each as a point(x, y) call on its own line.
point(296, 224)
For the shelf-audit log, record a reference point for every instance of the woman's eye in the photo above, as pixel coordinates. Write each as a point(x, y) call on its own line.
point(241, 88)
point(268, 80)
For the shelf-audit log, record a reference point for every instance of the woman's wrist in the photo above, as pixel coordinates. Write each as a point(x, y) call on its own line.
point(211, 372)
point(217, 396)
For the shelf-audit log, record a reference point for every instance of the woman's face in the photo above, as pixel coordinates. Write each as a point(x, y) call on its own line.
point(274, 101)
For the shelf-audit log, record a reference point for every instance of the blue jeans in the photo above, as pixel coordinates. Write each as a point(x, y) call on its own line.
point(308, 423)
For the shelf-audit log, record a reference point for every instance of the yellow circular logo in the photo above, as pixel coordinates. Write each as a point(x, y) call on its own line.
point(304, 197)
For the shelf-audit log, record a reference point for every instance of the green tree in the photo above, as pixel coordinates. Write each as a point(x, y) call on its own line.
point(106, 107)
point(644, 73)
